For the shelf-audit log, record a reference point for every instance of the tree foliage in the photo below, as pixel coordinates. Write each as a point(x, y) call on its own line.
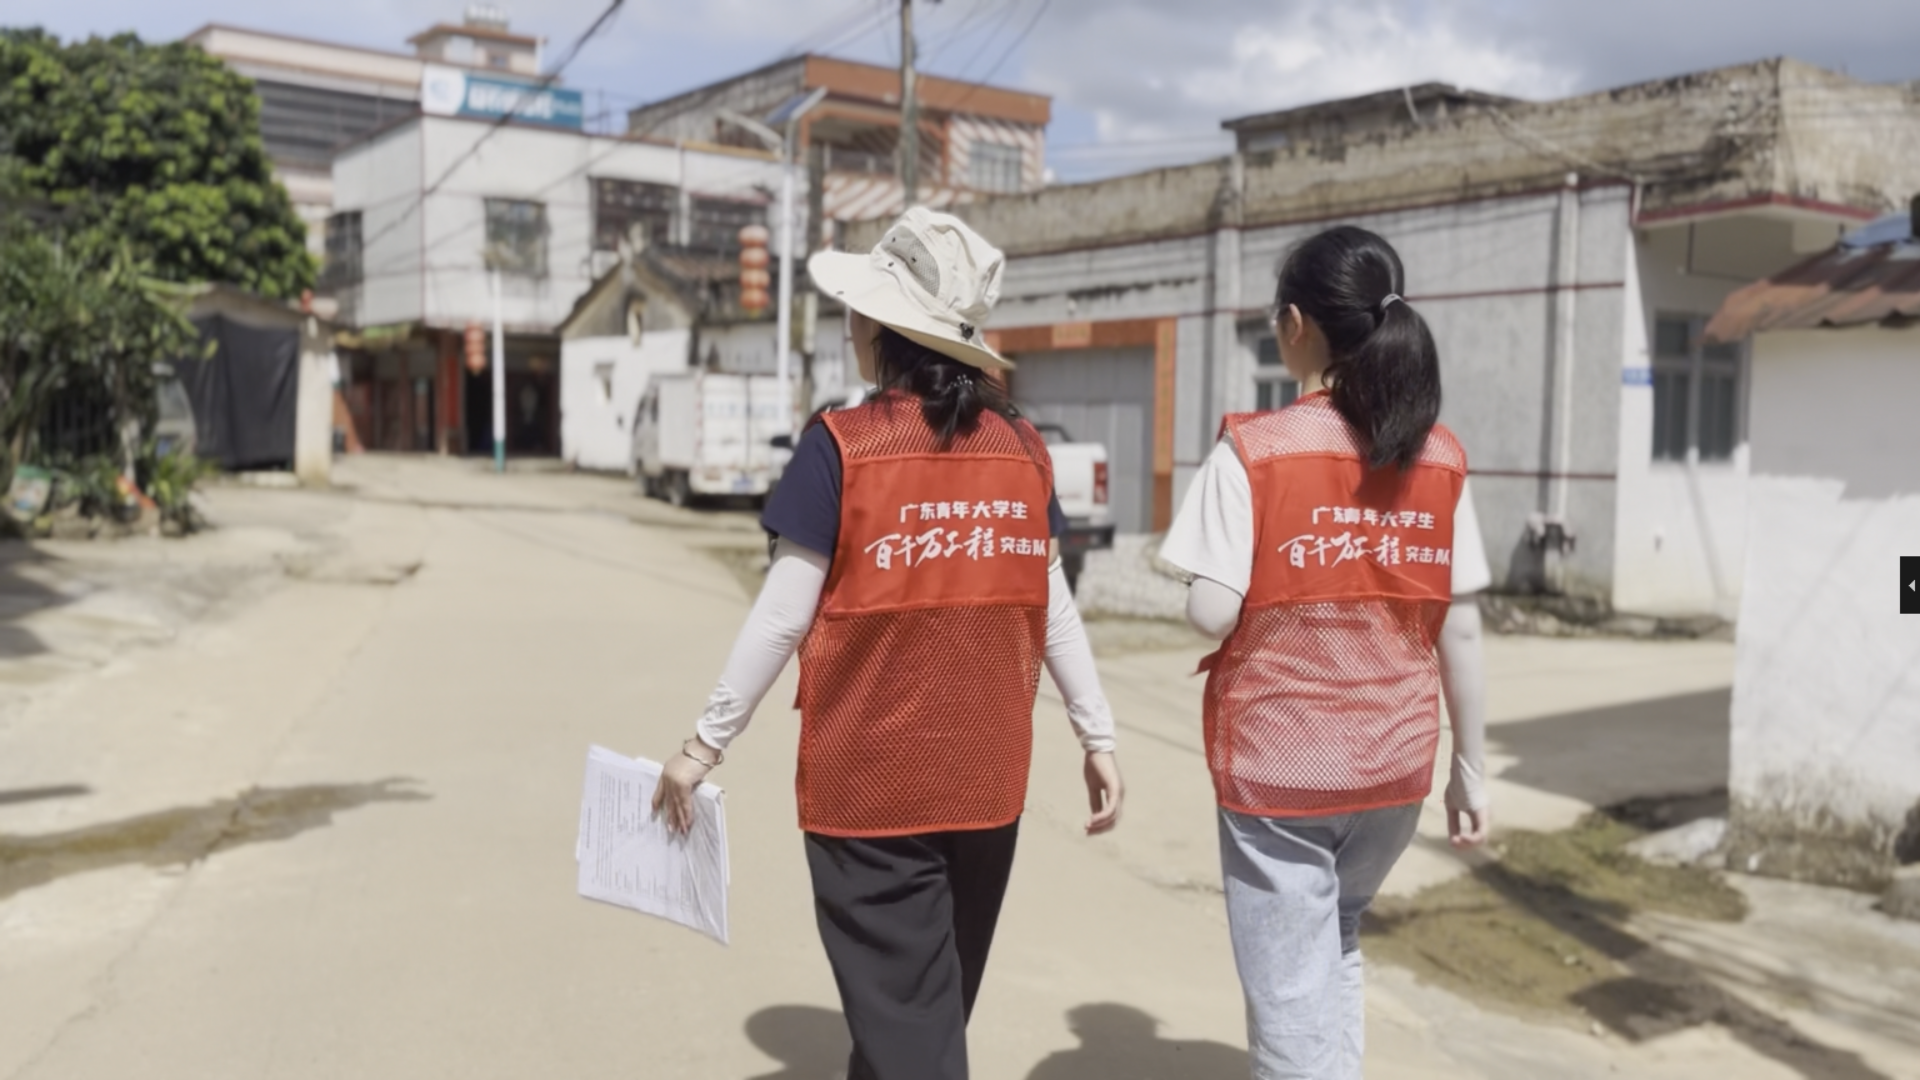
point(149, 150)
point(70, 322)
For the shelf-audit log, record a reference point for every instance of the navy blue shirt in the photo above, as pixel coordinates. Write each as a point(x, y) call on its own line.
point(805, 507)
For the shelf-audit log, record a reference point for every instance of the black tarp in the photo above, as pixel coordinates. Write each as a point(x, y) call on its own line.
point(244, 393)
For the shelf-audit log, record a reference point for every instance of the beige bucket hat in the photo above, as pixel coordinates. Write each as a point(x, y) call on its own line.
point(930, 277)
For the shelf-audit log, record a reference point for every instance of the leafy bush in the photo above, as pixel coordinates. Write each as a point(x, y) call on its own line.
point(169, 480)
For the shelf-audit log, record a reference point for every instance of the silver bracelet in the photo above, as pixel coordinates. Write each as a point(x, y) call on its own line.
point(720, 756)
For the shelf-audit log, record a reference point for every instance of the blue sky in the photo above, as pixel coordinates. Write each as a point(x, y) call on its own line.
point(1135, 82)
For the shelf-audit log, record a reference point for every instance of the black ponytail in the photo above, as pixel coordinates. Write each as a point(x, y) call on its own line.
point(1385, 374)
point(952, 395)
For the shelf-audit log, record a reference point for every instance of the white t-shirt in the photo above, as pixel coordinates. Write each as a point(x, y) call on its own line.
point(1213, 535)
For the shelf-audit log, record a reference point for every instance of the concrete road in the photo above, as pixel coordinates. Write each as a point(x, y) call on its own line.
point(320, 822)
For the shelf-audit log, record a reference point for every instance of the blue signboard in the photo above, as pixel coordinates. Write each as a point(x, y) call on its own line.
point(1637, 376)
point(448, 91)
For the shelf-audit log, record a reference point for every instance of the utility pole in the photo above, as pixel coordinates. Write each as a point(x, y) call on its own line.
point(499, 381)
point(909, 111)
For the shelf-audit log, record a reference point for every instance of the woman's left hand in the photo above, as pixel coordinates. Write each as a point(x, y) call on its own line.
point(674, 796)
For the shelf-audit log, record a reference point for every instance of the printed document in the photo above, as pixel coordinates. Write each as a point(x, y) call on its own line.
point(629, 858)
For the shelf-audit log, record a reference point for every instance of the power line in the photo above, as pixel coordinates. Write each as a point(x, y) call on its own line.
point(1007, 12)
point(814, 40)
point(1004, 56)
point(526, 95)
point(960, 31)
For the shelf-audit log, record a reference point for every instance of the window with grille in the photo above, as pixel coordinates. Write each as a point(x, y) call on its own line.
point(717, 222)
point(343, 266)
point(517, 236)
point(1273, 388)
point(621, 207)
point(1697, 392)
point(996, 167)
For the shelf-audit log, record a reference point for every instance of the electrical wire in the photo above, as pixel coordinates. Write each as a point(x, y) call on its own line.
point(1004, 56)
point(526, 95)
point(959, 32)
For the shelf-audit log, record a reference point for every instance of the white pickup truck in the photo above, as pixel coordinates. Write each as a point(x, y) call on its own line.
point(1079, 479)
point(701, 435)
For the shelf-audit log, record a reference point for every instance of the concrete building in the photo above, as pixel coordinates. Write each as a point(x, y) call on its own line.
point(426, 206)
point(317, 96)
point(973, 139)
point(1825, 760)
point(665, 309)
point(1566, 253)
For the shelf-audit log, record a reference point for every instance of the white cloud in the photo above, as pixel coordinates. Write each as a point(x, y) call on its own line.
point(1324, 49)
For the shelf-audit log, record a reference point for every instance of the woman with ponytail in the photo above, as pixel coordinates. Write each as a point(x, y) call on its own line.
point(916, 569)
point(1335, 555)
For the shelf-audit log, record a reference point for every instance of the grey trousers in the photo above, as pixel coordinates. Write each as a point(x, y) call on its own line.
point(1296, 888)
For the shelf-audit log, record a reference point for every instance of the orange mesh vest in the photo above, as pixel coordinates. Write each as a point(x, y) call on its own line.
point(917, 679)
point(1326, 697)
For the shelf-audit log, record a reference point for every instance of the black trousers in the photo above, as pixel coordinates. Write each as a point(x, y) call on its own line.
point(907, 922)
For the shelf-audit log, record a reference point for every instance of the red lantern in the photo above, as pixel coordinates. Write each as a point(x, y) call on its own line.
point(754, 279)
point(476, 348)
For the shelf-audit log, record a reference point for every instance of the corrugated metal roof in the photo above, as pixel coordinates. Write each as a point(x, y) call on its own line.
point(1871, 277)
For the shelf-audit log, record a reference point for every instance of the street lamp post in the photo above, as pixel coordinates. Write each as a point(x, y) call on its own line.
point(787, 118)
point(499, 379)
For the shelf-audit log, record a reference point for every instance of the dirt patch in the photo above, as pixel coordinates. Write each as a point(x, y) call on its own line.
point(1545, 923)
point(1547, 931)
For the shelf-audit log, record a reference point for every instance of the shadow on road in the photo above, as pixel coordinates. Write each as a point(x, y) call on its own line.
point(1121, 1041)
point(21, 596)
point(36, 794)
point(810, 1043)
point(186, 834)
point(1605, 756)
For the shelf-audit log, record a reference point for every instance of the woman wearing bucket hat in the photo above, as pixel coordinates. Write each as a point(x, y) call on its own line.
point(1335, 551)
point(915, 567)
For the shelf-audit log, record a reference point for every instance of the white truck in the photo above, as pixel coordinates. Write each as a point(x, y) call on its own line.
point(700, 435)
point(1079, 479)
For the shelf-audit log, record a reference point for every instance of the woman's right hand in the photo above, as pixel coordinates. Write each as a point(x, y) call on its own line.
point(1104, 792)
point(673, 799)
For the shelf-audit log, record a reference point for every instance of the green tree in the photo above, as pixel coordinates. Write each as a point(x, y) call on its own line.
point(151, 150)
point(67, 323)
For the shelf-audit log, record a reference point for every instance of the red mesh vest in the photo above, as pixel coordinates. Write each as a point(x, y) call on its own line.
point(917, 679)
point(1326, 698)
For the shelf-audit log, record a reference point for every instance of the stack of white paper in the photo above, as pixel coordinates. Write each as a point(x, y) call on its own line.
point(629, 858)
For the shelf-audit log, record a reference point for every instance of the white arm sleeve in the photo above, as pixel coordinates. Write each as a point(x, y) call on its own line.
point(1463, 681)
point(779, 619)
point(1070, 662)
point(1212, 608)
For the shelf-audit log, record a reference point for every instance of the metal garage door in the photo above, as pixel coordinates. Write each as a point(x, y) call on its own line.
point(1106, 396)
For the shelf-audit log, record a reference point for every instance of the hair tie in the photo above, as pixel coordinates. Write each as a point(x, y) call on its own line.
point(964, 381)
point(1389, 299)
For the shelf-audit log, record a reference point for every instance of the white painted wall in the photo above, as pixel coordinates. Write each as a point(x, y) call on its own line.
point(1681, 528)
point(596, 414)
point(1826, 704)
point(430, 269)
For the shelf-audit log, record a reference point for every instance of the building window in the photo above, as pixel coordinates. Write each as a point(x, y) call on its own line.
point(996, 167)
point(1273, 388)
point(517, 236)
point(1696, 392)
point(343, 250)
point(621, 206)
point(717, 222)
